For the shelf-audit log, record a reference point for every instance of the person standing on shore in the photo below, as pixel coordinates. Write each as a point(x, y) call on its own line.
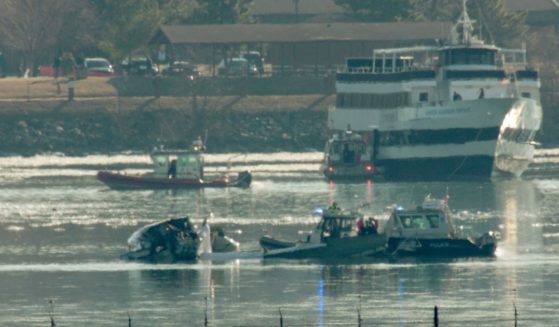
point(56, 70)
point(56, 64)
point(3, 66)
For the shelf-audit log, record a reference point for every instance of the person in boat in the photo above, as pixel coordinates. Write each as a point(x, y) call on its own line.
point(334, 209)
point(172, 172)
point(348, 154)
point(371, 227)
point(172, 233)
point(456, 96)
point(345, 153)
point(198, 145)
point(360, 226)
point(335, 230)
point(205, 234)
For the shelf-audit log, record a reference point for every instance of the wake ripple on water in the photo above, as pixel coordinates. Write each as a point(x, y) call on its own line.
point(263, 165)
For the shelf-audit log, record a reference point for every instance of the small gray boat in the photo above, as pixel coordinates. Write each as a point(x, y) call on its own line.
point(428, 231)
point(337, 235)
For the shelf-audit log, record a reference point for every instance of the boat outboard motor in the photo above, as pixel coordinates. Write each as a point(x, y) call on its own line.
point(244, 179)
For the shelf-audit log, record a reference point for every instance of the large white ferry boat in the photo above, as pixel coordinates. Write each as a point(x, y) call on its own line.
point(462, 109)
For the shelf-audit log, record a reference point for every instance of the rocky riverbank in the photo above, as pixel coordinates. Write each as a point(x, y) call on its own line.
point(124, 114)
point(106, 125)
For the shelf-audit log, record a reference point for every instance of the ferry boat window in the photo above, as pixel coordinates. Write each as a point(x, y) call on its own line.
point(354, 100)
point(363, 100)
point(424, 97)
point(367, 101)
point(340, 100)
point(433, 221)
point(469, 57)
point(526, 95)
point(344, 100)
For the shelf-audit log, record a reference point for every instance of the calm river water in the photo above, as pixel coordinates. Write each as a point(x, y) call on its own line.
point(61, 234)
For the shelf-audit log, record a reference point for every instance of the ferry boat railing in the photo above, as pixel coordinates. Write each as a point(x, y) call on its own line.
point(396, 60)
point(388, 58)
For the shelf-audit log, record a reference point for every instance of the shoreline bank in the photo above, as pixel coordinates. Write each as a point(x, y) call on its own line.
point(108, 125)
point(119, 114)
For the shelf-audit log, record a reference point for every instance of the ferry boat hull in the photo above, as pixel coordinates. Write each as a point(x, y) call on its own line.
point(331, 249)
point(123, 181)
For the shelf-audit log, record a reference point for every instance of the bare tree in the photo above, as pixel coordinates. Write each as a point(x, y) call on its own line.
point(35, 26)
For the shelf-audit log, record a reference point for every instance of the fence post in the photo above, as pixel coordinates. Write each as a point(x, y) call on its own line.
point(51, 313)
point(358, 318)
point(436, 318)
point(515, 315)
point(206, 313)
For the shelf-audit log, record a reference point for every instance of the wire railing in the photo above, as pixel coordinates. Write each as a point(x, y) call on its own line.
point(283, 320)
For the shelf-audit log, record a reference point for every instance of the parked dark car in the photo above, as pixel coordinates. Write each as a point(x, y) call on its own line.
point(181, 69)
point(139, 66)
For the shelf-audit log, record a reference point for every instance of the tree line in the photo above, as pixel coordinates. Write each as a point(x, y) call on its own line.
point(495, 22)
point(117, 28)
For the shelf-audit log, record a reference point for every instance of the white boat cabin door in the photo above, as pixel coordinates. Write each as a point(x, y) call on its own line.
point(190, 166)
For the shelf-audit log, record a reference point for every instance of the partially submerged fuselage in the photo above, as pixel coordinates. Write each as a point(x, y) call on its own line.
point(177, 240)
point(167, 241)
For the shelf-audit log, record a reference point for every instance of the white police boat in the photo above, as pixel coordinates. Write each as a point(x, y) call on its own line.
point(428, 231)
